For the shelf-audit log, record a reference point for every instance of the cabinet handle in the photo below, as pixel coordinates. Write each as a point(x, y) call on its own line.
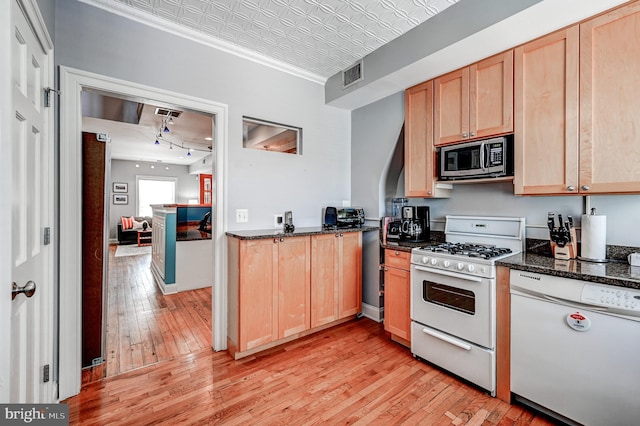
point(429, 192)
point(282, 240)
point(275, 241)
point(464, 134)
point(337, 235)
point(341, 234)
point(397, 253)
point(584, 187)
point(571, 188)
point(473, 134)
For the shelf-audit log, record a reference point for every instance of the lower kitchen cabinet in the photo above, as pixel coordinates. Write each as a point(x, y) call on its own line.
point(336, 276)
point(397, 301)
point(285, 287)
point(269, 290)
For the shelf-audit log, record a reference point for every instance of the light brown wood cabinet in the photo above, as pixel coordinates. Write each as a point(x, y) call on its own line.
point(609, 102)
point(269, 290)
point(336, 276)
point(475, 101)
point(577, 122)
point(397, 301)
point(546, 114)
point(420, 160)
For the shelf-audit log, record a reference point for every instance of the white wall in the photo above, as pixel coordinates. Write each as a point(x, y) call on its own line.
point(265, 183)
point(187, 186)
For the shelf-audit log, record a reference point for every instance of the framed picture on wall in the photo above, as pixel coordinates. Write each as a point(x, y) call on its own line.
point(121, 187)
point(120, 199)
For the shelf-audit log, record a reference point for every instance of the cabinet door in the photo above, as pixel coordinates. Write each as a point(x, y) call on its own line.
point(420, 171)
point(609, 102)
point(491, 96)
point(324, 279)
point(350, 279)
point(258, 294)
point(546, 115)
point(397, 302)
point(451, 107)
point(294, 285)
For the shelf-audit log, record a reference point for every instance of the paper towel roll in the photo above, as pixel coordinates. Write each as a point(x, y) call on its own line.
point(594, 237)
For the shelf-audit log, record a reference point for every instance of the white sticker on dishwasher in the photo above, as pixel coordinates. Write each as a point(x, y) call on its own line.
point(578, 322)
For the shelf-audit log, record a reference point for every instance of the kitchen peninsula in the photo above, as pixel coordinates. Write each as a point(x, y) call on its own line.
point(182, 247)
point(284, 286)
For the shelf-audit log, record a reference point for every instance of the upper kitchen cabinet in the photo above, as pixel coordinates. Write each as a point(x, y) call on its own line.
point(609, 102)
point(420, 171)
point(546, 114)
point(577, 122)
point(474, 102)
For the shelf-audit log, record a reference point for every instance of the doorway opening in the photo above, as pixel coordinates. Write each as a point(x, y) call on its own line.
point(73, 83)
point(153, 155)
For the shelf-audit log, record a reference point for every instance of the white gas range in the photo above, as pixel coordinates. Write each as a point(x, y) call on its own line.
point(453, 295)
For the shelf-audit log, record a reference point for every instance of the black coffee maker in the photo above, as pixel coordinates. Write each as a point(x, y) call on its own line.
point(415, 224)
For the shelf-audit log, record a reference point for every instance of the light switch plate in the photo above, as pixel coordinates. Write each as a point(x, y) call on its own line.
point(242, 215)
point(278, 221)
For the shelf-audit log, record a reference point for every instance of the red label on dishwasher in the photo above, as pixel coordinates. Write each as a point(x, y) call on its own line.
point(578, 322)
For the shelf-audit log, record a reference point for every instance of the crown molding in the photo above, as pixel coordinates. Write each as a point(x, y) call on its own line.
point(144, 18)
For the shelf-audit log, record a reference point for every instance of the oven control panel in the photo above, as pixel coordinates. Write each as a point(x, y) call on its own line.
point(457, 266)
point(612, 297)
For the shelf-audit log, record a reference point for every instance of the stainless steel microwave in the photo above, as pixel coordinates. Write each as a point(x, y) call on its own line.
point(478, 159)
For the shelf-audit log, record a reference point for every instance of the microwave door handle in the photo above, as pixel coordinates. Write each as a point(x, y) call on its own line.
point(483, 157)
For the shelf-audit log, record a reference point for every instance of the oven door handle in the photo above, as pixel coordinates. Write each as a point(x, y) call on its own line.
point(447, 339)
point(448, 273)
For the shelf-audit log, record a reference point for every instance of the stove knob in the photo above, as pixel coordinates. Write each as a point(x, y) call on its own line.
point(471, 268)
point(425, 259)
point(460, 266)
point(434, 262)
point(447, 263)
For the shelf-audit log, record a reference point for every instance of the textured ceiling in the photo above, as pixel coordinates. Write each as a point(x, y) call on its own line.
point(321, 37)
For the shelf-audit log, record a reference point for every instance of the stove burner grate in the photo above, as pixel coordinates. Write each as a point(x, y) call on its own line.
point(485, 251)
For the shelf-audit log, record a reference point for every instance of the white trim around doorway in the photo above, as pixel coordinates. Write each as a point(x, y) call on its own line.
point(72, 82)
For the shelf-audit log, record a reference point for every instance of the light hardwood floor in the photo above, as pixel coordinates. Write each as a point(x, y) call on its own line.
point(349, 374)
point(143, 326)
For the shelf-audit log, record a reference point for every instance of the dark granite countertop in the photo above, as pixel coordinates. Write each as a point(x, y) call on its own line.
point(261, 234)
point(436, 237)
point(614, 273)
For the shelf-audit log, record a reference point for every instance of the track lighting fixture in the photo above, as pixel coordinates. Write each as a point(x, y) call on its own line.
point(164, 129)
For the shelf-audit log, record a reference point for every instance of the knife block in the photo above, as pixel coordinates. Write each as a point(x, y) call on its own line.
point(568, 251)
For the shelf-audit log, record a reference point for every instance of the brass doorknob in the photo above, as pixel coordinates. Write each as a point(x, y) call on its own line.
point(28, 289)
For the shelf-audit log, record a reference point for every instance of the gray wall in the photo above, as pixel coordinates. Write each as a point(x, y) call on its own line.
point(623, 226)
point(187, 186)
point(265, 183)
point(374, 131)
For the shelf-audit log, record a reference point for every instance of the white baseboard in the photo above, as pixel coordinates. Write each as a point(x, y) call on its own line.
point(164, 288)
point(373, 312)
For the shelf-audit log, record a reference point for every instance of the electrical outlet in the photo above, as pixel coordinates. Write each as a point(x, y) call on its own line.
point(242, 215)
point(278, 221)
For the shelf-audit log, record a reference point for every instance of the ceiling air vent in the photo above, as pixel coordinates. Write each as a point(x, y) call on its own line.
point(168, 112)
point(352, 75)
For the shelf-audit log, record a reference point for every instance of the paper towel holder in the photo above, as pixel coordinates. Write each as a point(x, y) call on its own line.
point(591, 212)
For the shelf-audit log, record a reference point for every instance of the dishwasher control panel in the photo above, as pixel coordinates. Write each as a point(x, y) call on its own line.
point(612, 297)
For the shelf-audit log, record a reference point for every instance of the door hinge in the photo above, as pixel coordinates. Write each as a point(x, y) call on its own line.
point(45, 373)
point(47, 95)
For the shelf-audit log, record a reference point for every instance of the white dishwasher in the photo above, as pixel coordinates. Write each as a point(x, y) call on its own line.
point(575, 349)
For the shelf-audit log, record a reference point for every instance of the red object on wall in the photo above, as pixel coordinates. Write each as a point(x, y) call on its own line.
point(206, 185)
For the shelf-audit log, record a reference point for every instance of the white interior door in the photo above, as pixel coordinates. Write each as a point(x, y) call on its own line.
point(32, 328)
